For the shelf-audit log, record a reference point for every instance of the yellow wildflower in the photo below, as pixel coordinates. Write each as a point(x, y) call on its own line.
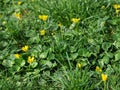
point(117, 11)
point(17, 55)
point(98, 69)
point(104, 77)
point(18, 15)
point(31, 59)
point(75, 20)
point(25, 48)
point(43, 17)
point(19, 3)
point(42, 32)
point(79, 65)
point(116, 6)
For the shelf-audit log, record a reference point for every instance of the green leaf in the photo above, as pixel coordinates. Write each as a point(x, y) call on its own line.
point(84, 52)
point(51, 56)
point(34, 39)
point(34, 64)
point(30, 33)
point(83, 61)
point(106, 45)
point(8, 63)
point(14, 69)
point(3, 44)
point(73, 49)
point(46, 63)
point(117, 44)
point(43, 55)
point(101, 63)
point(49, 64)
point(113, 22)
point(74, 56)
point(109, 54)
point(117, 56)
point(20, 62)
point(105, 59)
point(109, 69)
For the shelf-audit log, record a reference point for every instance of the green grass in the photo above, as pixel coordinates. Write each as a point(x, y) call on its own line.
point(63, 54)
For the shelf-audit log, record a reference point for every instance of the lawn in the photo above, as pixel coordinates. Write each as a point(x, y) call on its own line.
point(59, 44)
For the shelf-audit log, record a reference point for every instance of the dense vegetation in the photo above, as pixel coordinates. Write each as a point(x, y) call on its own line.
point(59, 44)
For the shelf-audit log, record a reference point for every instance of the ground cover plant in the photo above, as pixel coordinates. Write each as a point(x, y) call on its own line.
point(59, 44)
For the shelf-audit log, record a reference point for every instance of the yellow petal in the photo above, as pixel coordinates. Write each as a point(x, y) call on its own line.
point(104, 77)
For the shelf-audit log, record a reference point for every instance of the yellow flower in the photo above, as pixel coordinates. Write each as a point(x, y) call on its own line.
point(104, 77)
point(25, 48)
point(17, 55)
point(19, 3)
point(75, 20)
point(79, 65)
point(43, 17)
point(116, 6)
point(31, 59)
point(42, 32)
point(18, 15)
point(117, 11)
point(98, 69)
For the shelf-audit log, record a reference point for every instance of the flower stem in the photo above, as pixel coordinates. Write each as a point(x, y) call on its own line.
point(105, 85)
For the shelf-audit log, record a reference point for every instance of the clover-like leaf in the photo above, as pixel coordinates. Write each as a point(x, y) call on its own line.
point(8, 63)
point(105, 59)
point(117, 56)
point(84, 52)
point(43, 55)
point(106, 46)
point(34, 64)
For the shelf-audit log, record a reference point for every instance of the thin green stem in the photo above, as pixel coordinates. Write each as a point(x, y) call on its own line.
point(105, 85)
